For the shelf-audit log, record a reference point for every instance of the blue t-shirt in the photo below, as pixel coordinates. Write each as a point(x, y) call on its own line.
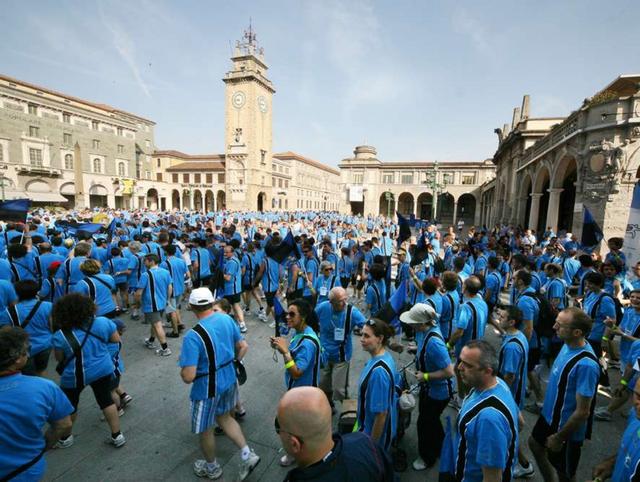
point(137, 267)
point(232, 268)
point(311, 266)
point(376, 295)
point(530, 311)
point(598, 306)
point(120, 265)
point(38, 328)
point(629, 325)
point(307, 357)
point(271, 275)
point(335, 340)
point(433, 355)
point(225, 334)
point(450, 303)
point(627, 466)
point(493, 282)
point(513, 361)
point(488, 431)
point(177, 268)
point(572, 374)
point(323, 284)
point(555, 288)
point(345, 267)
point(96, 359)
point(249, 265)
point(7, 294)
point(69, 271)
point(379, 396)
point(21, 423)
point(473, 325)
point(201, 256)
point(155, 286)
point(50, 290)
point(102, 293)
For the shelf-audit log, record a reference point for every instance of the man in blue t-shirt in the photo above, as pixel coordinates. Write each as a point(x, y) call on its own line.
point(556, 439)
point(154, 290)
point(487, 439)
point(180, 275)
point(23, 446)
point(337, 320)
point(207, 361)
point(233, 284)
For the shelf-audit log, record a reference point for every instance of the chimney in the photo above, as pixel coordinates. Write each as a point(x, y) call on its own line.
point(505, 129)
point(524, 114)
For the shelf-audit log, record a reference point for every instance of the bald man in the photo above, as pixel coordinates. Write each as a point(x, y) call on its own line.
point(337, 320)
point(303, 423)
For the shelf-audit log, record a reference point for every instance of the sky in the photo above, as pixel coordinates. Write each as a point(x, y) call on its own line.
point(418, 80)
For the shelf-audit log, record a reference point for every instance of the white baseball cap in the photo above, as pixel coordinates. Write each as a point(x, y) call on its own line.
point(420, 314)
point(201, 296)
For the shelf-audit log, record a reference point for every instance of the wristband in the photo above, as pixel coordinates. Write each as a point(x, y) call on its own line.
point(426, 377)
point(289, 364)
point(623, 382)
point(604, 338)
point(448, 346)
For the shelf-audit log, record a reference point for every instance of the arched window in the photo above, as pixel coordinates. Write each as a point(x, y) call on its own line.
point(68, 161)
point(121, 169)
point(97, 165)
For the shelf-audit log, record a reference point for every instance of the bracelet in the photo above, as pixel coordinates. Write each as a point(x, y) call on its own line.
point(623, 382)
point(604, 338)
point(448, 346)
point(289, 364)
point(426, 377)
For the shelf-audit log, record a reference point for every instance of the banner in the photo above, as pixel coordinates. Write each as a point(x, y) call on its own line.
point(631, 246)
point(127, 186)
point(356, 193)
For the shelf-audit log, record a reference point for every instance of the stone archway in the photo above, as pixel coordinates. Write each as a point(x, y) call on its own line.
point(445, 208)
point(262, 201)
point(175, 199)
point(524, 202)
point(387, 207)
point(563, 195)
point(98, 196)
point(152, 199)
point(466, 210)
point(425, 206)
point(538, 217)
point(186, 200)
point(197, 200)
point(221, 201)
point(405, 204)
point(209, 201)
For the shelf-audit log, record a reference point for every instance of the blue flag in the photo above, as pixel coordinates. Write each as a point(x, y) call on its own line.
point(405, 229)
point(279, 314)
point(392, 309)
point(89, 228)
point(448, 453)
point(15, 210)
point(281, 251)
point(591, 232)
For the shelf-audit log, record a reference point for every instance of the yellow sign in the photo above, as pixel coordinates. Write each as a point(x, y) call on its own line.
point(100, 217)
point(127, 186)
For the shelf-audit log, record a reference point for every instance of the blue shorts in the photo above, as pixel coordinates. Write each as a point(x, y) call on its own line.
point(204, 412)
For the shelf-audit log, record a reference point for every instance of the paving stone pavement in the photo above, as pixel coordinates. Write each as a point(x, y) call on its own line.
point(160, 445)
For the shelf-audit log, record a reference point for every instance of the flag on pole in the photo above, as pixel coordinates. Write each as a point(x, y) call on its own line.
point(279, 313)
point(405, 229)
point(591, 232)
point(448, 454)
point(15, 210)
point(392, 309)
point(281, 251)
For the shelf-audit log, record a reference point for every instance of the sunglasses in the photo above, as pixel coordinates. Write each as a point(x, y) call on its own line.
point(290, 313)
point(278, 430)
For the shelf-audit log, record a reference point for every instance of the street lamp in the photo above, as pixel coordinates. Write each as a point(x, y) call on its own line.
point(435, 187)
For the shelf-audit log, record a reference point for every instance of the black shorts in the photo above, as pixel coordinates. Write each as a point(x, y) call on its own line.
point(269, 296)
point(533, 358)
point(597, 347)
point(200, 282)
point(360, 285)
point(101, 391)
point(124, 286)
point(566, 460)
point(37, 363)
point(233, 299)
point(247, 288)
point(344, 282)
point(115, 381)
point(353, 279)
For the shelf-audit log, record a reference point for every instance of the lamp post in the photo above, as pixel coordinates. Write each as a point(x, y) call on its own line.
point(435, 187)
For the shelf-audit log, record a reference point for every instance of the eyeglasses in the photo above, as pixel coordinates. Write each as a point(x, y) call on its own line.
point(328, 269)
point(290, 313)
point(278, 430)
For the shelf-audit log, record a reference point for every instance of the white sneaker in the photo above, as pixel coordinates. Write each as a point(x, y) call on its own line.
point(64, 443)
point(163, 352)
point(418, 464)
point(243, 328)
point(247, 466)
point(262, 317)
point(118, 442)
point(201, 469)
point(286, 460)
point(602, 414)
point(150, 344)
point(519, 472)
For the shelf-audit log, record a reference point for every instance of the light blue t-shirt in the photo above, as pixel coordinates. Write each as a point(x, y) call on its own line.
point(335, 339)
point(304, 350)
point(38, 328)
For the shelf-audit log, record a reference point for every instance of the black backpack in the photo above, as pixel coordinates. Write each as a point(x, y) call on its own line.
point(546, 315)
point(438, 265)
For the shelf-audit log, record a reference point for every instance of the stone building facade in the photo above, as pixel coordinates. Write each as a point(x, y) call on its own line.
point(371, 186)
point(548, 170)
point(58, 149)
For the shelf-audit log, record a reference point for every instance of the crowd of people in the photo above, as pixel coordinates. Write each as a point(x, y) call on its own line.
point(69, 286)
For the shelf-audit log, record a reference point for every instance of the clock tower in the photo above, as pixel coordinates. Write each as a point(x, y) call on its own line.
point(248, 96)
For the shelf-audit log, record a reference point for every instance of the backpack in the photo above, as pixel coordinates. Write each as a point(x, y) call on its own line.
point(546, 315)
point(438, 265)
point(616, 302)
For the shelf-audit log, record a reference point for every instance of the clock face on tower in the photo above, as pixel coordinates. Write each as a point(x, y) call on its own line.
point(238, 99)
point(262, 104)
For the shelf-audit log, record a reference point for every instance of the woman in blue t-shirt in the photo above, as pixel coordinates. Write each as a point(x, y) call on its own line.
point(82, 350)
point(302, 353)
point(377, 413)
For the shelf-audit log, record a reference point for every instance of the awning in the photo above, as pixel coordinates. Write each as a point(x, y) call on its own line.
point(11, 194)
point(46, 197)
